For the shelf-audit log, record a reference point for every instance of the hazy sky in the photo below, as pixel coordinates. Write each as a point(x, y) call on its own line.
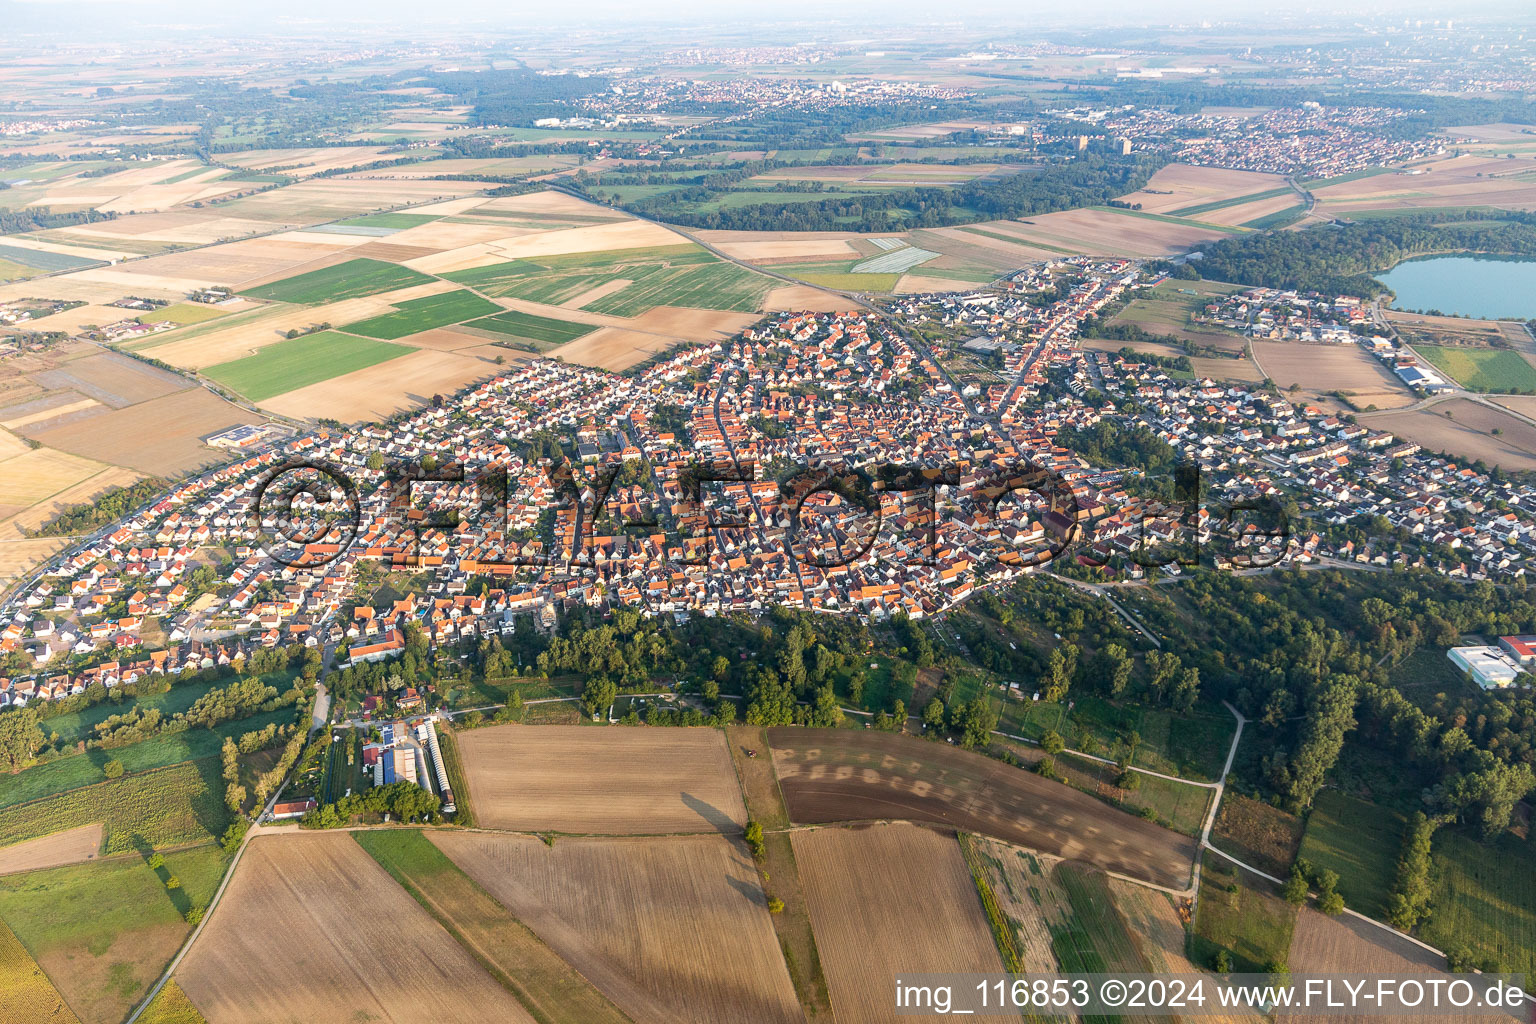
point(93, 17)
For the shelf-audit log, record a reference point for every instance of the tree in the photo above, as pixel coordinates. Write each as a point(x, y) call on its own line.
point(1295, 890)
point(898, 715)
point(173, 882)
point(754, 837)
point(375, 461)
point(112, 769)
point(933, 714)
point(1223, 962)
point(1331, 903)
point(1052, 743)
point(1115, 667)
point(1330, 715)
point(775, 905)
point(599, 693)
point(1411, 890)
point(156, 861)
point(977, 719)
point(20, 738)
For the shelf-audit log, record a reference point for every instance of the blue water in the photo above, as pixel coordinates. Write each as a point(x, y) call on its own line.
point(1489, 287)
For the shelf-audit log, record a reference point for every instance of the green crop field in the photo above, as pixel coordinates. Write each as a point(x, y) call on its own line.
point(166, 807)
point(1485, 900)
point(1095, 938)
point(1482, 369)
point(347, 280)
point(296, 363)
point(390, 220)
point(106, 930)
point(84, 769)
point(834, 274)
point(423, 314)
point(1359, 840)
point(541, 330)
point(671, 275)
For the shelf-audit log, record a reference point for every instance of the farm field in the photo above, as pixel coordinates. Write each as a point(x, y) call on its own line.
point(424, 314)
point(1467, 433)
point(348, 280)
point(170, 806)
point(160, 437)
point(383, 388)
point(1178, 806)
point(290, 365)
point(778, 870)
point(171, 1006)
point(26, 994)
point(1485, 900)
point(1482, 369)
point(1449, 182)
point(69, 847)
point(637, 918)
point(886, 900)
point(1190, 191)
point(274, 952)
point(612, 781)
point(84, 769)
point(38, 474)
point(829, 776)
point(540, 332)
point(1322, 944)
point(1322, 369)
point(1359, 840)
point(103, 932)
point(623, 283)
point(1452, 331)
point(1109, 232)
point(516, 957)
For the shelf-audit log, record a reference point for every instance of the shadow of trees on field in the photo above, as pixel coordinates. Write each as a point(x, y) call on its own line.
point(718, 819)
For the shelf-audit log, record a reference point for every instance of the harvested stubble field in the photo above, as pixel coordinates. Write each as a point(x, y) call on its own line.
point(26, 994)
point(1110, 233)
point(68, 847)
point(111, 379)
point(549, 987)
point(1192, 191)
point(1466, 433)
point(161, 437)
point(609, 781)
point(843, 775)
point(888, 900)
point(38, 475)
point(673, 929)
point(1324, 944)
point(1320, 369)
point(312, 929)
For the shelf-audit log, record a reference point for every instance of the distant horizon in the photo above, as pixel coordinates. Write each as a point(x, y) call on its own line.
point(88, 19)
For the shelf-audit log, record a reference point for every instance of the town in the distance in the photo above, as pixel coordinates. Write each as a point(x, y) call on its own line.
point(743, 519)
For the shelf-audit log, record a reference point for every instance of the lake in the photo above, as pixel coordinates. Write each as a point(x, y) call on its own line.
point(1489, 287)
